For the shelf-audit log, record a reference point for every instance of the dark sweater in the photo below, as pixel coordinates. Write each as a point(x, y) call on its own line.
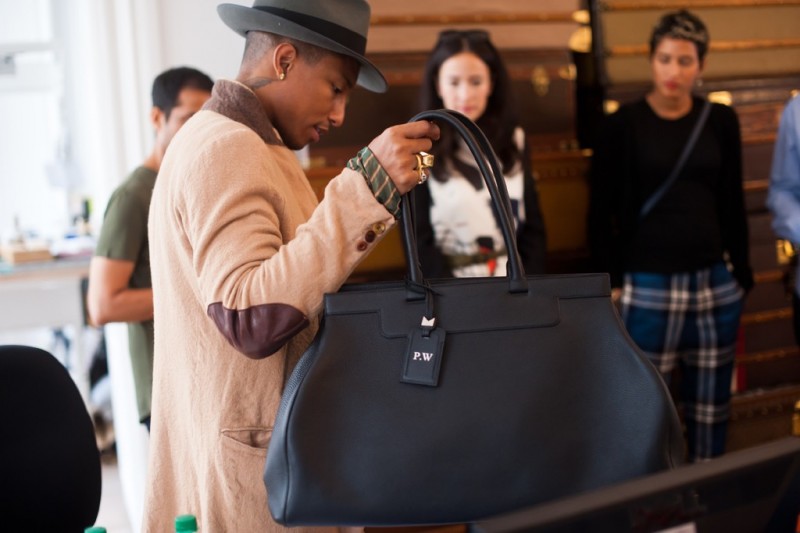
point(700, 219)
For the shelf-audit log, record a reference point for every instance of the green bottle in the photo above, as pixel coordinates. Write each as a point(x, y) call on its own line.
point(94, 529)
point(185, 523)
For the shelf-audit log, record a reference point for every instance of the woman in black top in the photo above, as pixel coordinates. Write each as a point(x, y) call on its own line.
point(679, 272)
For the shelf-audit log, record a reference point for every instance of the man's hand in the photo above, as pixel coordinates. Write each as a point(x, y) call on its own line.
point(396, 150)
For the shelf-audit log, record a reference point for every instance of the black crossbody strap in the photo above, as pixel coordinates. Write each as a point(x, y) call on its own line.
point(687, 150)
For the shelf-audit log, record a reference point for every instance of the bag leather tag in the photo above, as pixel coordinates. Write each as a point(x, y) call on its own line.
point(423, 357)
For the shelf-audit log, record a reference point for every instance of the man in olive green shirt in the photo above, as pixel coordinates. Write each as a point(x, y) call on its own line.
point(119, 277)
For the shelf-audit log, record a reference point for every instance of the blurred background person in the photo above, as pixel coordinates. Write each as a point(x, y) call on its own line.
point(679, 272)
point(783, 198)
point(120, 289)
point(457, 232)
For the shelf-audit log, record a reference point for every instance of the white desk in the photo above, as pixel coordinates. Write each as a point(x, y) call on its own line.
point(47, 295)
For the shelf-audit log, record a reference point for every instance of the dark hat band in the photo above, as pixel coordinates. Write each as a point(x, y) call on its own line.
point(348, 38)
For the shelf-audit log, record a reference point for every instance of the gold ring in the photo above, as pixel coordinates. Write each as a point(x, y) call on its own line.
point(424, 160)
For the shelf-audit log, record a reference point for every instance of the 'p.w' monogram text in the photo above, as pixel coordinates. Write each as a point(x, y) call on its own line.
point(423, 356)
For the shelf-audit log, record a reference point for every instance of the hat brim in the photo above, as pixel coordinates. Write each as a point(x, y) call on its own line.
point(242, 19)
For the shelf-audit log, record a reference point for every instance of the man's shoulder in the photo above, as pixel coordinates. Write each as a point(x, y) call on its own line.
point(140, 181)
point(210, 130)
point(141, 177)
point(138, 185)
point(791, 111)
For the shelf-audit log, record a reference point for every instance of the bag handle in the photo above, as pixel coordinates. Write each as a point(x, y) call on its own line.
point(482, 151)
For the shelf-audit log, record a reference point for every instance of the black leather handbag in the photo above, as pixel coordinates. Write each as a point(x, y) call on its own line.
point(447, 401)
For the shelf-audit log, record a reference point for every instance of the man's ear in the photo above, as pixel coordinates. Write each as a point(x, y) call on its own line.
point(156, 117)
point(282, 58)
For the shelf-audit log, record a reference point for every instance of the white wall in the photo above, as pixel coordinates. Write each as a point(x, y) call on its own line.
point(29, 118)
point(108, 52)
point(192, 34)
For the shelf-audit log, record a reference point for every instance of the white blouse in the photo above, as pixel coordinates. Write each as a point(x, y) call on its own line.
point(461, 215)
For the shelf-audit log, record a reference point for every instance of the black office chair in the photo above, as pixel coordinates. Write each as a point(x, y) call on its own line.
point(50, 476)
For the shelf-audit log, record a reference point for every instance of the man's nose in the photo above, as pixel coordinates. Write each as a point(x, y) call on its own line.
point(337, 115)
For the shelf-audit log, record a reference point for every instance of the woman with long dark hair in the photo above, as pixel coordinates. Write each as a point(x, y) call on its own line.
point(456, 228)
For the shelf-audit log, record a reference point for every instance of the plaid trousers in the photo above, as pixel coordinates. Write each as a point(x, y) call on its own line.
point(691, 318)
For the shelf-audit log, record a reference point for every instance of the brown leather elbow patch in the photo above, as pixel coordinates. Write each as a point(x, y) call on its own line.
point(258, 331)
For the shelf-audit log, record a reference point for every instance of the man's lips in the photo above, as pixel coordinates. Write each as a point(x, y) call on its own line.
point(318, 133)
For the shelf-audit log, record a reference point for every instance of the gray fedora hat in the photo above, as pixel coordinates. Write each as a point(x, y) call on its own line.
point(337, 25)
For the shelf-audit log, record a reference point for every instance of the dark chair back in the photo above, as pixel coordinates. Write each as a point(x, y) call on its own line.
point(50, 477)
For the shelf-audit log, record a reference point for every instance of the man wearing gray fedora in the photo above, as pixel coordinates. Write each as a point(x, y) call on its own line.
point(242, 252)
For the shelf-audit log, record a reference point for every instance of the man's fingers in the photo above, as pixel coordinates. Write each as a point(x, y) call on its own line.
point(422, 128)
point(397, 147)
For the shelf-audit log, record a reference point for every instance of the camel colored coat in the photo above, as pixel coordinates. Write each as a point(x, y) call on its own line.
point(241, 255)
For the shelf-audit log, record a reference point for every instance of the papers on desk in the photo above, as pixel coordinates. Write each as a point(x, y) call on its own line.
point(73, 246)
point(37, 251)
point(25, 253)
